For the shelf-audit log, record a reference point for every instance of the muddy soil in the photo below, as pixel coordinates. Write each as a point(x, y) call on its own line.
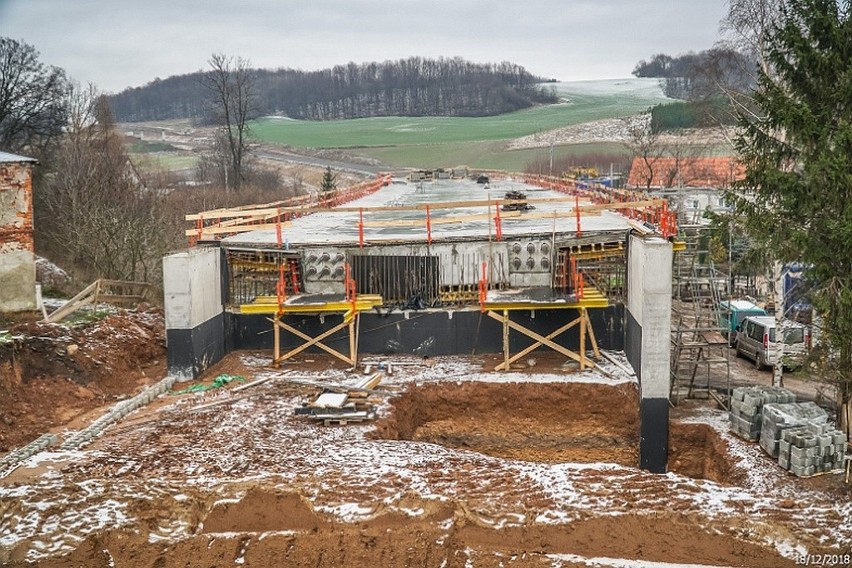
point(549, 423)
point(461, 471)
point(273, 528)
point(697, 451)
point(54, 373)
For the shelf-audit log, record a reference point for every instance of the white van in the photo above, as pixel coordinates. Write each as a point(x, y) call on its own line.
point(756, 340)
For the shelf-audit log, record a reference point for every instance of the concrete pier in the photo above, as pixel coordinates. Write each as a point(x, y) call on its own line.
point(648, 341)
point(195, 327)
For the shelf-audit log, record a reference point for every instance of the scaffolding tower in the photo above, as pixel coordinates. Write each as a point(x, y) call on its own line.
point(700, 357)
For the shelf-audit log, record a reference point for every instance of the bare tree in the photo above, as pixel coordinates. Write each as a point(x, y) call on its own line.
point(32, 112)
point(644, 143)
point(747, 26)
point(231, 84)
point(95, 213)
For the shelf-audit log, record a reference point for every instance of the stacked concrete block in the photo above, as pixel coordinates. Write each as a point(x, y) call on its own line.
point(118, 412)
point(11, 460)
point(747, 404)
point(811, 449)
point(778, 417)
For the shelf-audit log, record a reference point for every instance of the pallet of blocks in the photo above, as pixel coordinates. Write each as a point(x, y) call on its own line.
point(812, 449)
point(747, 404)
point(778, 417)
point(341, 404)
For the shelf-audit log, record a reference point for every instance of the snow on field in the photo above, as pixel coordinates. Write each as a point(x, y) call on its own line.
point(185, 457)
point(639, 87)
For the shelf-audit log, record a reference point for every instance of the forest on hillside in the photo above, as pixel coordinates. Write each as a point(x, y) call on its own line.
point(696, 76)
point(407, 87)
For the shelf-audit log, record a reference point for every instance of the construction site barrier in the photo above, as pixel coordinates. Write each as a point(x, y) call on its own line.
point(635, 205)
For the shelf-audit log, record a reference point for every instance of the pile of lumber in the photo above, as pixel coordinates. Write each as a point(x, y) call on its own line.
point(341, 404)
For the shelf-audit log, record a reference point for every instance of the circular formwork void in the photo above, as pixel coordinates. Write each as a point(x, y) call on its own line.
point(548, 422)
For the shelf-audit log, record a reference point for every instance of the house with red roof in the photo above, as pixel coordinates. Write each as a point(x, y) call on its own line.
point(661, 172)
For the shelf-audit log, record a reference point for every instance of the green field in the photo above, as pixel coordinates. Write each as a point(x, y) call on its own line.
point(163, 161)
point(479, 142)
point(488, 155)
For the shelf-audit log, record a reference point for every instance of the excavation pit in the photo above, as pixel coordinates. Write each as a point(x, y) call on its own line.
point(541, 422)
point(549, 423)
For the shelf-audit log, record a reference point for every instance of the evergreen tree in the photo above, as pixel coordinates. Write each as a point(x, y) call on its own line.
point(796, 142)
point(329, 181)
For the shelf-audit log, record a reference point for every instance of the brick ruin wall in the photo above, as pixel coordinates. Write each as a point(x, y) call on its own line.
point(17, 253)
point(16, 207)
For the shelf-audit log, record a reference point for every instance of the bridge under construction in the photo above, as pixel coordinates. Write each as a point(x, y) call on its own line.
point(431, 267)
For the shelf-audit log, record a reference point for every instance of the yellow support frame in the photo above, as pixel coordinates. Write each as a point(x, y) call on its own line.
point(269, 305)
point(349, 309)
point(350, 322)
point(592, 298)
point(540, 340)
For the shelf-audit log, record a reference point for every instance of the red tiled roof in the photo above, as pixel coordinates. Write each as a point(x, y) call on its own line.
point(684, 172)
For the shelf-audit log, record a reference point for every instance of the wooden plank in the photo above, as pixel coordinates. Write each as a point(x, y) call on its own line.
point(251, 384)
point(583, 318)
point(612, 360)
point(244, 223)
point(506, 339)
point(85, 297)
point(310, 341)
point(108, 298)
point(353, 353)
point(131, 283)
point(236, 213)
point(592, 337)
point(334, 387)
point(540, 341)
point(215, 230)
point(276, 343)
point(369, 382)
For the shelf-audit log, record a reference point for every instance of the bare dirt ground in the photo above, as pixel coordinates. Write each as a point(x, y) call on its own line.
point(52, 374)
point(466, 467)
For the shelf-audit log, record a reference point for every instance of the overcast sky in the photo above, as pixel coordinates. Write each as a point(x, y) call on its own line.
point(119, 43)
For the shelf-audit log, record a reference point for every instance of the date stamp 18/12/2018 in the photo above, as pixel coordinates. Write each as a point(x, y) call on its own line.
point(810, 559)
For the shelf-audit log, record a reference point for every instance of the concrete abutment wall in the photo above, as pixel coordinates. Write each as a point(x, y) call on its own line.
point(648, 340)
point(195, 323)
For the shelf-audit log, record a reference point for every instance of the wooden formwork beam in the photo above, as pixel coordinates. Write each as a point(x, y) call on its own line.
point(547, 341)
point(317, 341)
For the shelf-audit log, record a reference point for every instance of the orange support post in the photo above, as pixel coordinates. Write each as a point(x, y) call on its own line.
point(349, 286)
point(497, 223)
point(577, 210)
point(428, 226)
point(361, 227)
point(574, 282)
point(281, 288)
point(278, 228)
point(200, 226)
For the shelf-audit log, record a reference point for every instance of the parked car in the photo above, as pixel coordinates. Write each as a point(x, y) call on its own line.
point(732, 314)
point(756, 339)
